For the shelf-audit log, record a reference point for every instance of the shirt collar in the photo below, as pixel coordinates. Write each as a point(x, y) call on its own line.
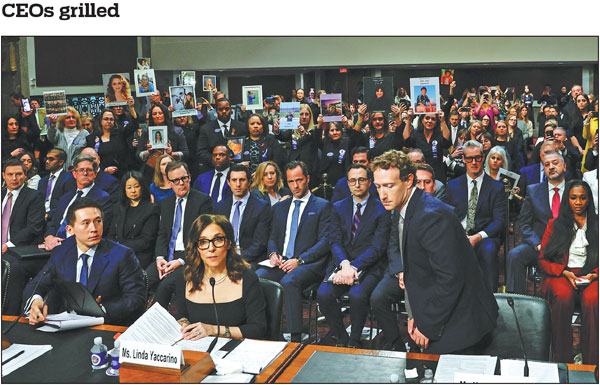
point(16, 192)
point(363, 203)
point(57, 173)
point(87, 189)
point(224, 172)
point(90, 253)
point(403, 211)
point(228, 123)
point(479, 179)
point(244, 200)
point(304, 199)
point(561, 186)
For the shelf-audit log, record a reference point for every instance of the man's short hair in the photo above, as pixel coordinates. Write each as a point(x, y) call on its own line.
point(428, 168)
point(358, 150)
point(473, 143)
point(361, 167)
point(550, 122)
point(564, 130)
point(14, 162)
point(297, 163)
point(176, 164)
point(84, 158)
point(222, 100)
point(239, 167)
point(418, 151)
point(60, 153)
point(562, 160)
point(396, 159)
point(454, 113)
point(81, 203)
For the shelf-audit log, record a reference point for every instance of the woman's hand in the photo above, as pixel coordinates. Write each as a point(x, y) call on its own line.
point(52, 118)
point(301, 130)
point(111, 170)
point(130, 101)
point(169, 149)
point(171, 108)
point(195, 331)
point(570, 277)
point(362, 109)
point(320, 120)
point(457, 153)
point(17, 152)
point(276, 126)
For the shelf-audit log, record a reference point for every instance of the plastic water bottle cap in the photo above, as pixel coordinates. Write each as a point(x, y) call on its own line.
point(97, 340)
point(394, 378)
point(117, 344)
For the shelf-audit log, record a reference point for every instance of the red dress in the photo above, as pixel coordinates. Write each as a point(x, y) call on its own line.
point(562, 297)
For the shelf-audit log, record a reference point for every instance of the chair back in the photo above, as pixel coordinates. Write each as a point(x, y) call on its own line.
point(534, 319)
point(273, 293)
point(5, 279)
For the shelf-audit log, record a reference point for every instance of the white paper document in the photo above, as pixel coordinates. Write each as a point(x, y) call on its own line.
point(542, 371)
point(236, 378)
point(29, 353)
point(67, 321)
point(266, 263)
point(256, 355)
point(449, 364)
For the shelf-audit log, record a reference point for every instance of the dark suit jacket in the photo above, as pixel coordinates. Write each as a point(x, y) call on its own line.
point(254, 229)
point(141, 237)
point(591, 160)
point(60, 188)
point(197, 204)
point(265, 197)
point(529, 175)
point(27, 217)
point(211, 136)
point(312, 243)
point(535, 214)
point(97, 194)
point(491, 206)
point(342, 191)
point(103, 180)
point(203, 182)
point(367, 249)
point(115, 275)
point(448, 297)
point(572, 159)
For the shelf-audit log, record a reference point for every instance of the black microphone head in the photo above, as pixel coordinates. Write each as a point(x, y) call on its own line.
point(212, 281)
point(511, 302)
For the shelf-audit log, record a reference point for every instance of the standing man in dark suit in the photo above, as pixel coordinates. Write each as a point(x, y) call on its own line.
point(22, 224)
point(479, 204)
point(214, 182)
point(298, 244)
point(569, 152)
point(216, 132)
point(110, 271)
point(360, 228)
point(103, 180)
point(53, 185)
point(177, 213)
point(250, 216)
point(541, 204)
point(448, 306)
point(84, 172)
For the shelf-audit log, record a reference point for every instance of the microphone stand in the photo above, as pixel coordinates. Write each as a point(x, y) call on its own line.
point(214, 341)
point(507, 191)
point(511, 303)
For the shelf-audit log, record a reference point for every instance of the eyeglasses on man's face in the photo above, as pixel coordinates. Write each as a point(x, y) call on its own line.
point(183, 179)
point(470, 159)
point(84, 171)
point(217, 242)
point(359, 180)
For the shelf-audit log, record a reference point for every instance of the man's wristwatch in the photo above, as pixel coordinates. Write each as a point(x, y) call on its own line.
point(300, 261)
point(227, 332)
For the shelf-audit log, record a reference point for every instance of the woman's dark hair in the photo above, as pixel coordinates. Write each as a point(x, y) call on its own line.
point(5, 125)
point(565, 228)
point(194, 268)
point(34, 165)
point(436, 129)
point(98, 125)
point(123, 200)
point(165, 112)
point(385, 122)
point(265, 126)
point(587, 108)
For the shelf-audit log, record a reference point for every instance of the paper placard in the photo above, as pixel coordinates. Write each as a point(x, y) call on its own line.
point(163, 356)
point(473, 378)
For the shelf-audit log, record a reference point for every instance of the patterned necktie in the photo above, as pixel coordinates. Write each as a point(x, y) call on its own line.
point(83, 276)
point(225, 132)
point(236, 222)
point(49, 188)
point(6, 217)
point(289, 252)
point(176, 228)
point(356, 220)
point(62, 230)
point(214, 194)
point(472, 207)
point(555, 203)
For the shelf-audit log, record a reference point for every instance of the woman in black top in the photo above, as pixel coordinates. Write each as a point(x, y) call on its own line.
point(109, 143)
point(211, 256)
point(136, 218)
point(335, 150)
point(576, 122)
point(14, 140)
point(259, 145)
point(503, 139)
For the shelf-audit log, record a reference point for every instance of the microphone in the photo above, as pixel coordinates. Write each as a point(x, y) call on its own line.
point(511, 303)
point(24, 308)
point(214, 341)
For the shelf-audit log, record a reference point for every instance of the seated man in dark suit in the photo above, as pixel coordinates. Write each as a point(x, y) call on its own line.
point(177, 213)
point(84, 172)
point(426, 181)
point(535, 173)
point(216, 132)
point(360, 228)
point(22, 224)
point(214, 182)
point(250, 216)
point(449, 308)
point(479, 204)
point(541, 204)
point(53, 185)
point(417, 156)
point(341, 190)
point(110, 271)
point(103, 180)
point(298, 244)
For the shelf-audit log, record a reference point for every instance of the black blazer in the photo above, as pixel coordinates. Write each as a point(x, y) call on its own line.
point(26, 223)
point(210, 136)
point(265, 196)
point(60, 188)
point(255, 226)
point(141, 237)
point(197, 204)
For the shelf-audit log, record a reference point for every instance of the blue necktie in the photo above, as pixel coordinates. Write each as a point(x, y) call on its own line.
point(176, 228)
point(83, 276)
point(236, 222)
point(289, 252)
point(214, 194)
point(62, 230)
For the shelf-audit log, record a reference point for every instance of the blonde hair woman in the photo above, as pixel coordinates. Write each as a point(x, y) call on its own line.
point(268, 183)
point(68, 134)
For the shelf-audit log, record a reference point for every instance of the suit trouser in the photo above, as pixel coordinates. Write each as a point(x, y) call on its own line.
point(164, 287)
point(386, 293)
point(293, 284)
point(486, 251)
point(359, 305)
point(518, 259)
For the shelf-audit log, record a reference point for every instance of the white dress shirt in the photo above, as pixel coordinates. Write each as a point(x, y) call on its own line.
point(90, 253)
point(15, 195)
point(479, 181)
point(222, 125)
point(288, 224)
point(221, 182)
point(56, 176)
point(244, 201)
point(179, 245)
point(561, 190)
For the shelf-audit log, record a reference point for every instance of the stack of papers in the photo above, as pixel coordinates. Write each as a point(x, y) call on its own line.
point(541, 371)
point(449, 364)
point(23, 355)
point(256, 355)
point(68, 321)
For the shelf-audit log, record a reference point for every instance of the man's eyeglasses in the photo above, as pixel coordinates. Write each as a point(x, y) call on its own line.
point(183, 179)
point(84, 171)
point(359, 180)
point(217, 242)
point(470, 159)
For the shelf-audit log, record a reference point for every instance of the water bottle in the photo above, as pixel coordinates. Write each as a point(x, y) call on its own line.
point(113, 370)
point(427, 377)
point(99, 354)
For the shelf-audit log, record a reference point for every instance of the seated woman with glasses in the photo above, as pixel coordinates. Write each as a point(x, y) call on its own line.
point(214, 269)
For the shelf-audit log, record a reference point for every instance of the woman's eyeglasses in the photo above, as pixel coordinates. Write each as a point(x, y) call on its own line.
point(217, 242)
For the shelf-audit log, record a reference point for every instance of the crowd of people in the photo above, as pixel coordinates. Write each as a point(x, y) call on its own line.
point(193, 214)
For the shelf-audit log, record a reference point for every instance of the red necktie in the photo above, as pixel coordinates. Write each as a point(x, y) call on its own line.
point(555, 203)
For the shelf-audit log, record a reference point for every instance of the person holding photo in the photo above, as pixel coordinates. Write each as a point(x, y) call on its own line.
point(176, 143)
point(109, 143)
point(259, 145)
point(145, 84)
point(117, 89)
point(378, 139)
point(69, 135)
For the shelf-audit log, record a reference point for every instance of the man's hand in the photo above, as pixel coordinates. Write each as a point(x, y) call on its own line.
point(346, 275)
point(276, 259)
point(401, 280)
point(289, 265)
point(38, 312)
point(111, 169)
point(416, 335)
point(50, 242)
point(4, 248)
point(473, 239)
point(161, 264)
